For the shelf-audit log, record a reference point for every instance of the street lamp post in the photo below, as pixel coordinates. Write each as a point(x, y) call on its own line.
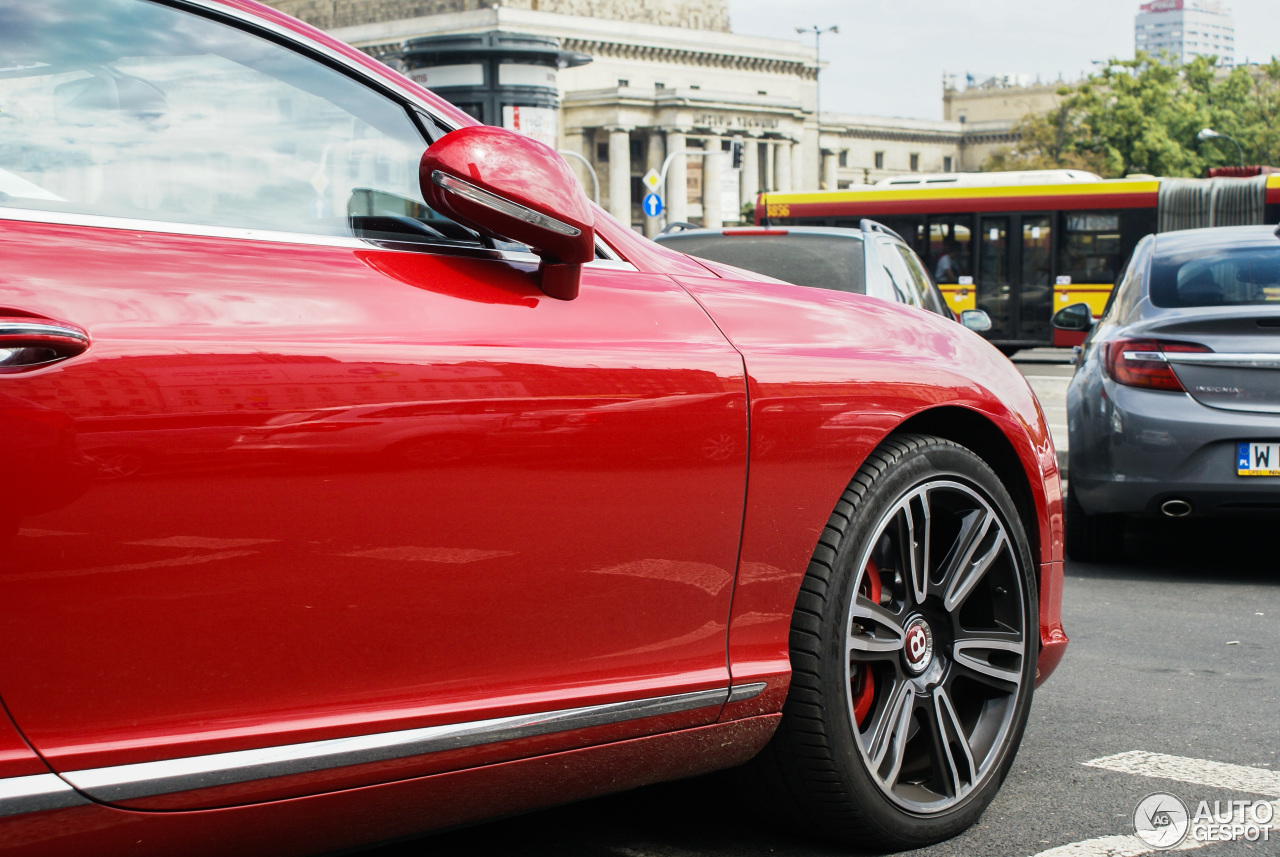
point(817, 77)
point(595, 179)
point(1210, 134)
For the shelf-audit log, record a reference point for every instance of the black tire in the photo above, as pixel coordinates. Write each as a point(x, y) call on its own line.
point(1092, 538)
point(817, 769)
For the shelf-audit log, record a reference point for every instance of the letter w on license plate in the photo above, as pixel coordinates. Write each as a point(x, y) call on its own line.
point(1258, 459)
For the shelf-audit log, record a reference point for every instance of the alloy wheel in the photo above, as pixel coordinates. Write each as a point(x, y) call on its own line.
point(935, 646)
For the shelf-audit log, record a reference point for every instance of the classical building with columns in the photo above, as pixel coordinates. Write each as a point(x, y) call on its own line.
point(670, 84)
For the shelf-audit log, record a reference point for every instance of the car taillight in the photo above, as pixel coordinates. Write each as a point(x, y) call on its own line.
point(1142, 363)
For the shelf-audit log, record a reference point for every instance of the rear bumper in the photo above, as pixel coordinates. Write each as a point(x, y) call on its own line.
point(1053, 639)
point(1132, 449)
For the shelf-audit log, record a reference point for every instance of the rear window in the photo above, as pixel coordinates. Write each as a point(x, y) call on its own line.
point(1237, 277)
point(820, 261)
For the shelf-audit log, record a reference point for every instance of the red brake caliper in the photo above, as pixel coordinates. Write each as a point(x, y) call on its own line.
point(864, 683)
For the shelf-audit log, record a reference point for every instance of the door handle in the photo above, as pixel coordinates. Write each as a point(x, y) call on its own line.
point(28, 343)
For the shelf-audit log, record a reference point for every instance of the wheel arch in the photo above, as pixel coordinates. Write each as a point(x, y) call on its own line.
point(984, 438)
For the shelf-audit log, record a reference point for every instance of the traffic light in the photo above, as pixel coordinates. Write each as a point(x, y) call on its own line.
point(737, 154)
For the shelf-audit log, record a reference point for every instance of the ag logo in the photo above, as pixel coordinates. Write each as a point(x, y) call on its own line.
point(1161, 820)
point(918, 645)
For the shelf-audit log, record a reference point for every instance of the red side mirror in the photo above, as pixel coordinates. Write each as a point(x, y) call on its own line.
point(512, 187)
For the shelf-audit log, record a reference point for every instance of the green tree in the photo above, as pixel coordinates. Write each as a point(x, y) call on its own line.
point(1144, 115)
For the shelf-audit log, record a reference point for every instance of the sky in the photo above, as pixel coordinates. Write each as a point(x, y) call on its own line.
point(890, 55)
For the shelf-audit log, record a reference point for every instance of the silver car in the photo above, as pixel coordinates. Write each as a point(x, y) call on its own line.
point(871, 260)
point(1175, 408)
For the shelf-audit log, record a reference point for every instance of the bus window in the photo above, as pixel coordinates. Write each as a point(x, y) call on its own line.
point(1091, 249)
point(1090, 257)
point(994, 278)
point(949, 257)
point(1036, 296)
point(950, 251)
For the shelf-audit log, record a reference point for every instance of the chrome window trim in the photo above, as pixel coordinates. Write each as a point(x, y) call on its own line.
point(611, 265)
point(236, 233)
point(609, 254)
point(167, 227)
point(20, 795)
point(145, 779)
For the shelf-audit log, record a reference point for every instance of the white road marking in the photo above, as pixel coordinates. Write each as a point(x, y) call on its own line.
point(1200, 772)
point(1112, 846)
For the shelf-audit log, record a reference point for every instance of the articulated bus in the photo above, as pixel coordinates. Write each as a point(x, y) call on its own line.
point(1022, 245)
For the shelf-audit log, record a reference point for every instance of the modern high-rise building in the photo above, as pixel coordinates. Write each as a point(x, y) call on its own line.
point(1185, 29)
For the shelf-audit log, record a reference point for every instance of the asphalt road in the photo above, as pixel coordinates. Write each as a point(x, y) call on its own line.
point(1175, 651)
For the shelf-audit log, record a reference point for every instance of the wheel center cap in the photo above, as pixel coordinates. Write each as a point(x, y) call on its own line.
point(917, 650)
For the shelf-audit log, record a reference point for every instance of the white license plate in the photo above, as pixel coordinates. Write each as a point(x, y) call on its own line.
point(1258, 459)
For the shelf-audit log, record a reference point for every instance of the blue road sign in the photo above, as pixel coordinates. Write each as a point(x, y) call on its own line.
point(652, 205)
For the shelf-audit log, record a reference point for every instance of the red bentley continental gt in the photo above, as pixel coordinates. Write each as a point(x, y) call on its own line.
point(363, 479)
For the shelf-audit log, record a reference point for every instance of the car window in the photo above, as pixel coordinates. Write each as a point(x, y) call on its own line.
point(834, 262)
point(1238, 276)
point(127, 108)
point(932, 298)
point(906, 289)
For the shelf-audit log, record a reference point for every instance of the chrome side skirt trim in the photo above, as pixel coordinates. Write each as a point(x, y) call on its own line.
point(32, 794)
point(146, 779)
point(743, 692)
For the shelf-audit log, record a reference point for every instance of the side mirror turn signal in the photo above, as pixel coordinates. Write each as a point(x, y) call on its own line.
point(514, 188)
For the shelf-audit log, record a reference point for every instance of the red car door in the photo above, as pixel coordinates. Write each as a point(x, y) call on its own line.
point(313, 511)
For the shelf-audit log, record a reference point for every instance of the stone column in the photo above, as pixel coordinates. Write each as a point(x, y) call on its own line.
point(712, 172)
point(620, 175)
point(677, 198)
point(782, 166)
point(750, 170)
point(770, 165)
point(830, 171)
point(798, 181)
point(656, 154)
